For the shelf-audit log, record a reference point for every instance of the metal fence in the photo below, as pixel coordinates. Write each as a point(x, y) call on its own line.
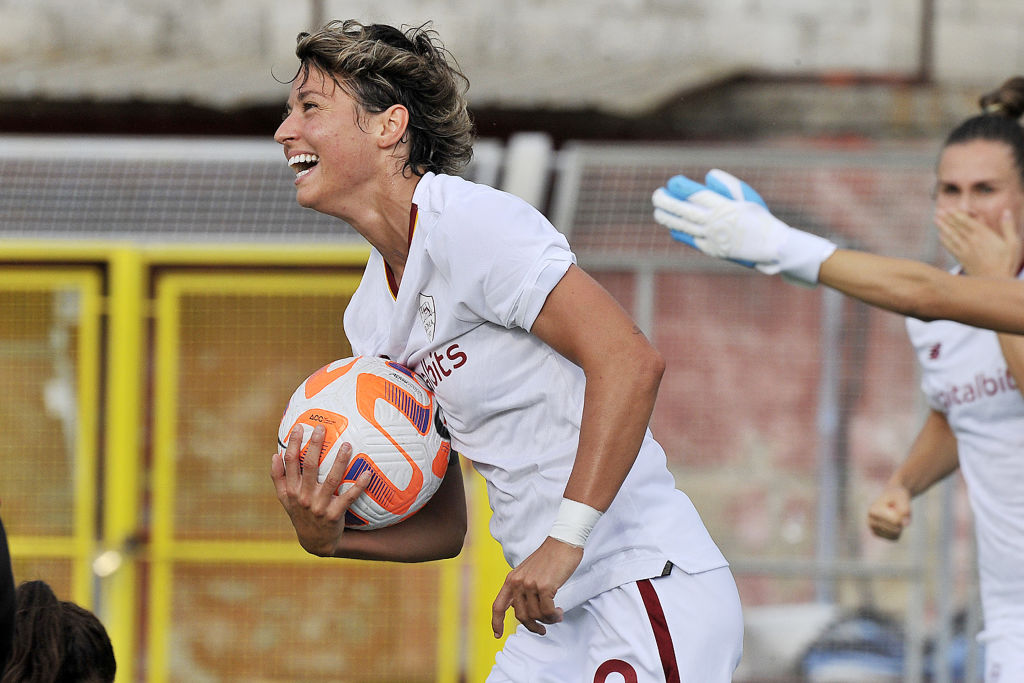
point(159, 270)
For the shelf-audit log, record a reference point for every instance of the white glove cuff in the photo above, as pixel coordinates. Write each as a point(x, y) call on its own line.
point(801, 256)
point(574, 522)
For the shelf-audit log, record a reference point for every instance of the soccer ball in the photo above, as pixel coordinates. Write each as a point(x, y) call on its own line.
point(392, 421)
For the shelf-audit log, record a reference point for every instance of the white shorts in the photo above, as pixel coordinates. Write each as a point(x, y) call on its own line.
point(675, 628)
point(1004, 658)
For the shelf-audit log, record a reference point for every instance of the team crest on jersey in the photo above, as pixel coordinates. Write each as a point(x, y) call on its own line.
point(427, 315)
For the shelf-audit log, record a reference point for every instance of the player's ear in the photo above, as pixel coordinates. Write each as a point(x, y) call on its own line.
point(393, 121)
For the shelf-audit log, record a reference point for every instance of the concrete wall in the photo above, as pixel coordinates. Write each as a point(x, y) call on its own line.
point(224, 51)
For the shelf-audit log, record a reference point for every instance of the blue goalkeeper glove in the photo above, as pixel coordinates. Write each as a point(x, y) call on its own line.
point(727, 219)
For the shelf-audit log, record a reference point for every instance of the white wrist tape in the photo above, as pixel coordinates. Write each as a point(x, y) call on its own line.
point(802, 255)
point(574, 522)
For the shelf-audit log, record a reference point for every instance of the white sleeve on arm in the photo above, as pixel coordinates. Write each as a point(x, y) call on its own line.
point(508, 264)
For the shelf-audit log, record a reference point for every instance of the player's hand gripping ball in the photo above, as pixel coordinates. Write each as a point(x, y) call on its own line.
point(392, 421)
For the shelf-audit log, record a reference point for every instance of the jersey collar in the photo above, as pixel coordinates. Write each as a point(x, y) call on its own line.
point(392, 282)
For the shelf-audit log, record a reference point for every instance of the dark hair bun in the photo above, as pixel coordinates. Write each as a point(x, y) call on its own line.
point(1006, 100)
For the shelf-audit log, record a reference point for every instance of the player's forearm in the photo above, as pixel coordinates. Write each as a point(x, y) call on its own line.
point(436, 532)
point(921, 291)
point(933, 456)
point(618, 404)
point(405, 542)
point(898, 285)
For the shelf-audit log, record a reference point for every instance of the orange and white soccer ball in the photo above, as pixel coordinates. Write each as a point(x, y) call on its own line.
point(392, 421)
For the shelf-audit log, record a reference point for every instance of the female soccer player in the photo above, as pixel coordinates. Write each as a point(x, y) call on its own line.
point(972, 377)
point(546, 383)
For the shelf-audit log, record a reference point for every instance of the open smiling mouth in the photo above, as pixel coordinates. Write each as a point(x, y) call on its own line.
point(303, 163)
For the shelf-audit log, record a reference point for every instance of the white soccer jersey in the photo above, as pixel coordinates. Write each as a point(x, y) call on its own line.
point(965, 376)
point(481, 264)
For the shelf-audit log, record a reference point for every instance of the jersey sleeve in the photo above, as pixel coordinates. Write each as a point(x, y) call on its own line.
point(915, 328)
point(503, 257)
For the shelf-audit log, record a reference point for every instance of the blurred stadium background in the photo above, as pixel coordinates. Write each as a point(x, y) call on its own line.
point(161, 295)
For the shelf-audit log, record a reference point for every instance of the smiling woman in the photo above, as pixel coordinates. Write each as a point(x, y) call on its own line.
point(302, 163)
point(362, 89)
point(476, 291)
point(329, 141)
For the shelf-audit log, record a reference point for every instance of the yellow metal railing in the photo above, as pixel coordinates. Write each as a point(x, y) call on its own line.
point(488, 575)
point(132, 285)
point(125, 391)
point(79, 548)
point(165, 549)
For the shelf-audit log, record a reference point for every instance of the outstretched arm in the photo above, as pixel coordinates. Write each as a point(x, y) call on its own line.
point(719, 219)
point(993, 299)
point(922, 291)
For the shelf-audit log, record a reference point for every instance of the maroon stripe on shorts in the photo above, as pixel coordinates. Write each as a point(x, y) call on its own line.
point(661, 634)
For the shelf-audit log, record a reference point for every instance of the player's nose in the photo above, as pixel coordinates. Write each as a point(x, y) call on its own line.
point(968, 204)
point(286, 131)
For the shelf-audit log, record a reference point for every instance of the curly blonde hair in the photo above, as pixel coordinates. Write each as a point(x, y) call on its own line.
point(380, 66)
